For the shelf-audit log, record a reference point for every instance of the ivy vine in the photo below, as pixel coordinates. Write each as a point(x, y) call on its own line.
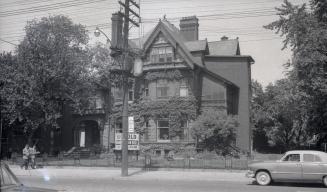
point(176, 109)
point(174, 74)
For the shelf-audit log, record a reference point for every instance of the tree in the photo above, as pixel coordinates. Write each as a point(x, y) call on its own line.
point(215, 131)
point(305, 33)
point(258, 117)
point(52, 72)
point(284, 106)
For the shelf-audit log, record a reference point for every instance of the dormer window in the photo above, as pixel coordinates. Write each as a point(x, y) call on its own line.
point(161, 54)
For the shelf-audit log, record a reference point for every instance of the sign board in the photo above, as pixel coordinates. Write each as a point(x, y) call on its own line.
point(131, 124)
point(133, 141)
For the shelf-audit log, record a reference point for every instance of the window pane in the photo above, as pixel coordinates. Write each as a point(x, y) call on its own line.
point(163, 133)
point(130, 95)
point(169, 50)
point(183, 91)
point(169, 58)
point(146, 92)
point(292, 157)
point(162, 91)
point(98, 103)
point(161, 58)
point(308, 158)
point(154, 51)
point(162, 50)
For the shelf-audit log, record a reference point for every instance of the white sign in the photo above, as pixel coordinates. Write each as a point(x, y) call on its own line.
point(82, 139)
point(131, 124)
point(133, 141)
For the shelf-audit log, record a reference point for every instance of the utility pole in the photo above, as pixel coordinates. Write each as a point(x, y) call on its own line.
point(126, 70)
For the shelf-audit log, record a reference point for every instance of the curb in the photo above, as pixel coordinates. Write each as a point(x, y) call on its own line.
point(134, 174)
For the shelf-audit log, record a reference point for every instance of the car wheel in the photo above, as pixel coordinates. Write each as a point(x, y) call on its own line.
point(325, 181)
point(263, 178)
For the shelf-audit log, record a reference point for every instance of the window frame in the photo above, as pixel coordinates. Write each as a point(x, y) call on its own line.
point(162, 84)
point(158, 130)
point(162, 54)
point(284, 159)
point(316, 158)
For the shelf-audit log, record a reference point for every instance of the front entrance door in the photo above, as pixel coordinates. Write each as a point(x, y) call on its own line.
point(87, 134)
point(82, 138)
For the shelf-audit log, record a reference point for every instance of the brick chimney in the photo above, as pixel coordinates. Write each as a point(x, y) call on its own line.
point(189, 28)
point(117, 30)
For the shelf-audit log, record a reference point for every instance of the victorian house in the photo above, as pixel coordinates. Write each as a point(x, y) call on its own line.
point(182, 76)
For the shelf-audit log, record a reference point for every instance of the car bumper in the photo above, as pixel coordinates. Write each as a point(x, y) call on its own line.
point(250, 174)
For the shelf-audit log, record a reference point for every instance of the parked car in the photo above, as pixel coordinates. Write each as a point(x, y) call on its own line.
point(9, 182)
point(294, 166)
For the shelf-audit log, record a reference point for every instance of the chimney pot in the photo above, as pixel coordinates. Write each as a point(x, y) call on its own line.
point(224, 38)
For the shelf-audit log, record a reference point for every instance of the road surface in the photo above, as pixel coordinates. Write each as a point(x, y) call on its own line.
point(111, 185)
point(96, 179)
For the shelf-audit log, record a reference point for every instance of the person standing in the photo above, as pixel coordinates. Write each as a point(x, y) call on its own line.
point(32, 153)
point(25, 156)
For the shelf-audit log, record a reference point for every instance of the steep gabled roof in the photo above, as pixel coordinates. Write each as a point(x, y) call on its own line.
point(224, 47)
point(184, 48)
point(174, 38)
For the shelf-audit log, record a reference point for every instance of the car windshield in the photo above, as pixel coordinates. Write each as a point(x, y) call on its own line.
point(7, 177)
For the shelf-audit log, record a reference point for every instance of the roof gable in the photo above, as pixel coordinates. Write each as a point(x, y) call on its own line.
point(171, 33)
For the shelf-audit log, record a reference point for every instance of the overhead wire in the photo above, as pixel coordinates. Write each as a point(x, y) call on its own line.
point(265, 11)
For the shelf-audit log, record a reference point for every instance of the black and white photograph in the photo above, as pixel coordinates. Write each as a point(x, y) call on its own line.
point(163, 96)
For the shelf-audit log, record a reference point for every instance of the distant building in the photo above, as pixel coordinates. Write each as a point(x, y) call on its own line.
point(214, 73)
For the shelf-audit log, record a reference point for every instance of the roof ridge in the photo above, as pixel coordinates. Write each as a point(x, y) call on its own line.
point(172, 25)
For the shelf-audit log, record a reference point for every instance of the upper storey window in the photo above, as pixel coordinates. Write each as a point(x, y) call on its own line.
point(161, 54)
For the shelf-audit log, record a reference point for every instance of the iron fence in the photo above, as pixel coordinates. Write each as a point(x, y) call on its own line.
point(149, 162)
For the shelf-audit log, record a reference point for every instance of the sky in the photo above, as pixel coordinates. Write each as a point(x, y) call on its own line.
point(243, 19)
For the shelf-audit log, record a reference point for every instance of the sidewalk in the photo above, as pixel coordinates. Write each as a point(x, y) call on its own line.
point(48, 173)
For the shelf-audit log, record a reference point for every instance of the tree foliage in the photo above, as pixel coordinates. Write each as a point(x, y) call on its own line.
point(287, 115)
point(305, 32)
point(215, 131)
point(259, 120)
point(52, 71)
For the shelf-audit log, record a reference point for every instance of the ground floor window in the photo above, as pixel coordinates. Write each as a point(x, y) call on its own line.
point(163, 130)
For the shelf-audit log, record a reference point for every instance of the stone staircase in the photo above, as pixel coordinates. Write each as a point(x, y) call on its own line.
point(78, 153)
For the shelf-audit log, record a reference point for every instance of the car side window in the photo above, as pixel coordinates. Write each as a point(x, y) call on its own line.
point(308, 158)
point(292, 157)
point(311, 158)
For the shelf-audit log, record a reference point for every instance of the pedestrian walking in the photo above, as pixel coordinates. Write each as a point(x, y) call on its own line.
point(25, 157)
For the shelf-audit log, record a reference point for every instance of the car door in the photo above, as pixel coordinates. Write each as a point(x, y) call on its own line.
point(313, 168)
point(289, 168)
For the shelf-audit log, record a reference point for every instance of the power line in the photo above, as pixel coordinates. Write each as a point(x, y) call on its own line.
point(8, 42)
point(47, 7)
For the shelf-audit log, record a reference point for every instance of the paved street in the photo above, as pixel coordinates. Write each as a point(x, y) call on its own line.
point(95, 179)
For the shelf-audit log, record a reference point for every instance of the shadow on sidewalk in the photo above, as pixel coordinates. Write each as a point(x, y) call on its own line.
point(143, 170)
